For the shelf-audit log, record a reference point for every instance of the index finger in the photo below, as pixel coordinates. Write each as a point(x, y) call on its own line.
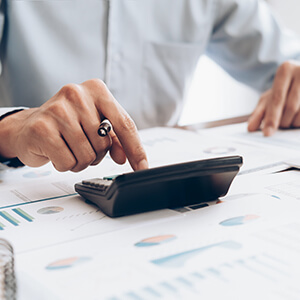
point(278, 98)
point(123, 125)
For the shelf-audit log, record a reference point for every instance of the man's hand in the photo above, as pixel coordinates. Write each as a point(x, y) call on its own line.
point(279, 107)
point(64, 131)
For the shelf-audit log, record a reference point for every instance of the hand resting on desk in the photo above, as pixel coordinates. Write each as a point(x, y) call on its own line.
point(279, 107)
point(64, 131)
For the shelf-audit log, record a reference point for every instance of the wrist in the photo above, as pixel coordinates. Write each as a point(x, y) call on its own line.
point(7, 136)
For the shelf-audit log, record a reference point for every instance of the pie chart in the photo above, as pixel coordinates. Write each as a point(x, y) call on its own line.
point(67, 263)
point(155, 240)
point(239, 220)
point(50, 210)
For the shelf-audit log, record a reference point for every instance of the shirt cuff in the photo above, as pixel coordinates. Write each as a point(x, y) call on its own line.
point(12, 162)
point(5, 110)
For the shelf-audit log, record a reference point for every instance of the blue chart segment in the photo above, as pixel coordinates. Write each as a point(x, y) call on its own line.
point(179, 259)
point(67, 263)
point(14, 220)
point(23, 214)
point(8, 217)
point(50, 210)
point(156, 240)
point(2, 226)
point(239, 220)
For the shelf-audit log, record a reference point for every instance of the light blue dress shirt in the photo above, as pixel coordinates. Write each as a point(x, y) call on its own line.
point(145, 50)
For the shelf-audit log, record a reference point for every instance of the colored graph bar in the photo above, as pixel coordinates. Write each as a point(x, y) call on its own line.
point(152, 292)
point(9, 218)
point(198, 275)
point(169, 287)
point(2, 226)
point(184, 281)
point(23, 214)
point(133, 296)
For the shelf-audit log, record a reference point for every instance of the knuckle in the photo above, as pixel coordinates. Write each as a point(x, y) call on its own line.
point(101, 88)
point(58, 109)
point(67, 164)
point(277, 97)
point(291, 108)
point(128, 124)
point(39, 127)
point(98, 83)
point(73, 93)
point(285, 68)
point(70, 89)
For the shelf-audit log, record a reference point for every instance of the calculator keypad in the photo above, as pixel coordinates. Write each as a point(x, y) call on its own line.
point(98, 183)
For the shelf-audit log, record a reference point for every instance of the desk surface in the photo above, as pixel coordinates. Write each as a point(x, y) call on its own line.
point(68, 249)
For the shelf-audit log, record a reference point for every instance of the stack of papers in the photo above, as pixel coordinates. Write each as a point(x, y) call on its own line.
point(243, 246)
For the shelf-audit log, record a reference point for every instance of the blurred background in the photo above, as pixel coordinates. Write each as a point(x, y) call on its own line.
point(214, 95)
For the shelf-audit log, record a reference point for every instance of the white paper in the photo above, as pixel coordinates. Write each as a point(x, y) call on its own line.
point(249, 238)
point(201, 254)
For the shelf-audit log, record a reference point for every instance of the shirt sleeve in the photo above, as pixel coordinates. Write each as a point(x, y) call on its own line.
point(249, 42)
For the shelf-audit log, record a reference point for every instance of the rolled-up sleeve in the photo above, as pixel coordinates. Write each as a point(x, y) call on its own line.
point(249, 42)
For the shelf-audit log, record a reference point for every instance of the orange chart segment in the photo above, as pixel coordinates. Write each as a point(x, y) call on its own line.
point(156, 240)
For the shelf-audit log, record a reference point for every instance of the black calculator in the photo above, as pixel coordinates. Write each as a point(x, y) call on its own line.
point(169, 186)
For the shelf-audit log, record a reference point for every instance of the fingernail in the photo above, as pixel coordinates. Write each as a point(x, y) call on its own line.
point(268, 131)
point(142, 165)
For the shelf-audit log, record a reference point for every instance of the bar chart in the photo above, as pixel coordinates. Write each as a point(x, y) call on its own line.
point(14, 217)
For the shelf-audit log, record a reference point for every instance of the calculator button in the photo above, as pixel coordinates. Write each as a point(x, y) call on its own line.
point(98, 183)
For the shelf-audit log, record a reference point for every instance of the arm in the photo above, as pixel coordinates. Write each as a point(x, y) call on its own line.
point(64, 131)
point(249, 43)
